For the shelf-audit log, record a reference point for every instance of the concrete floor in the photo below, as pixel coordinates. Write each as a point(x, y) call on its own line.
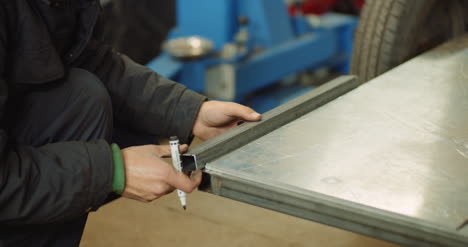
point(209, 221)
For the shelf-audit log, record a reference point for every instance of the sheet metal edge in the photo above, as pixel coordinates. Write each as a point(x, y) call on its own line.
point(247, 132)
point(331, 211)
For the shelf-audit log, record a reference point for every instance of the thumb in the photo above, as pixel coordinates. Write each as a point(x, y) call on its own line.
point(242, 112)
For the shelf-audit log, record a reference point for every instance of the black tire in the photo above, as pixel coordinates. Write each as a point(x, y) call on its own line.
point(393, 31)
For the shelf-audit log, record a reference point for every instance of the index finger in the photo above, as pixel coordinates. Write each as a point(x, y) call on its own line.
point(182, 148)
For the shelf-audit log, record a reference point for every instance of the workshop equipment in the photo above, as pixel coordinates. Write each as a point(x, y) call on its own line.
point(255, 43)
point(388, 159)
point(319, 7)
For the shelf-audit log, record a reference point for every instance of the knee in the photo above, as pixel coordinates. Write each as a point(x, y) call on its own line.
point(78, 109)
point(90, 92)
point(94, 104)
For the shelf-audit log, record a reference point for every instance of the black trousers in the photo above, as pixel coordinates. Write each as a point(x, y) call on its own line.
point(75, 109)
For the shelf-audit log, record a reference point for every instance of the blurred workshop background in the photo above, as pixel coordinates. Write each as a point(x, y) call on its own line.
point(257, 52)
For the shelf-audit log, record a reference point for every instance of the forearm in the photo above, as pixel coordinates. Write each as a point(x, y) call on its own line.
point(143, 100)
point(54, 183)
point(154, 104)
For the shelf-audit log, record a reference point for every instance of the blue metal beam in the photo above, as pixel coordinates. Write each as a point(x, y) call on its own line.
point(269, 23)
point(303, 53)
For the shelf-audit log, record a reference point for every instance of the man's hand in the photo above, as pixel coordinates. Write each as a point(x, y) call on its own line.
point(148, 177)
point(216, 117)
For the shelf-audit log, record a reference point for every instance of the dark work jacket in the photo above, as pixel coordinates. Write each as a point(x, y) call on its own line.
point(40, 185)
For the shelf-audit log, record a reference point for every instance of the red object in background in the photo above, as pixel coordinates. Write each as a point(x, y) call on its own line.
point(359, 3)
point(319, 7)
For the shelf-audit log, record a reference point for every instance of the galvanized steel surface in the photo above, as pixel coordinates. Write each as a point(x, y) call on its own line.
point(398, 144)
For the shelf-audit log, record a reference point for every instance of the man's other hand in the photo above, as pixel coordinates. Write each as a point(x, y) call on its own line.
point(216, 117)
point(148, 176)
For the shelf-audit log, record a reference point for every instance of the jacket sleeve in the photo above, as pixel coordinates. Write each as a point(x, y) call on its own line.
point(142, 99)
point(52, 183)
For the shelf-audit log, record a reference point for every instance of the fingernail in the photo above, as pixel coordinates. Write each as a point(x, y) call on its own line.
point(255, 115)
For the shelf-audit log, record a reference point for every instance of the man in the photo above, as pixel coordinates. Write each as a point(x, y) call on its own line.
point(62, 92)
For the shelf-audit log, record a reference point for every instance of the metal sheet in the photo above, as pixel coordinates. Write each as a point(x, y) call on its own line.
point(395, 150)
point(247, 132)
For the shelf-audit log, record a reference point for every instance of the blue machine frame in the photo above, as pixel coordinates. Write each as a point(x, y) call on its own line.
point(278, 45)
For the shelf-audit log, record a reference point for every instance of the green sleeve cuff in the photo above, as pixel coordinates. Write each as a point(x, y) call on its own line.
point(118, 183)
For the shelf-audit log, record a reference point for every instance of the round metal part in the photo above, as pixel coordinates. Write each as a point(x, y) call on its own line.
point(192, 47)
